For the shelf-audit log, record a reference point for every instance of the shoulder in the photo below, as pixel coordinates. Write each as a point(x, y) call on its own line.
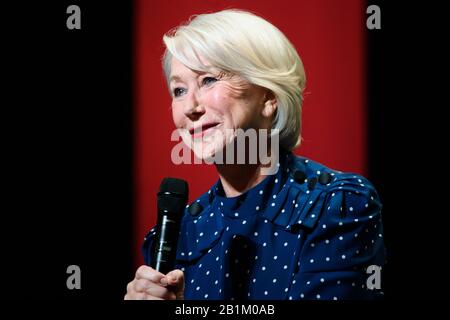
point(305, 170)
point(342, 217)
point(314, 175)
point(316, 191)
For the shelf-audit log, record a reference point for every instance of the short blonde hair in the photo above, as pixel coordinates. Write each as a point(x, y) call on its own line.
point(244, 44)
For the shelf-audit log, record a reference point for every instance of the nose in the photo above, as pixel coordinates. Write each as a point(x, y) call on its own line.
point(193, 108)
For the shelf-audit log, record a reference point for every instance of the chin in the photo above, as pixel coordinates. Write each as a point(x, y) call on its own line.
point(207, 150)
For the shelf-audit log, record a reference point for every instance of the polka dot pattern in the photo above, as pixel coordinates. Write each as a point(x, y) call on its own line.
point(254, 247)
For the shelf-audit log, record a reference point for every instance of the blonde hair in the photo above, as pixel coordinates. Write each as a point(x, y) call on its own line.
point(244, 44)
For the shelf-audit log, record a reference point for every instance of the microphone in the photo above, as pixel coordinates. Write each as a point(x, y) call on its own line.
point(172, 200)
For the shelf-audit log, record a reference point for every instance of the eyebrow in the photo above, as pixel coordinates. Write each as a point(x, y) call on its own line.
point(174, 78)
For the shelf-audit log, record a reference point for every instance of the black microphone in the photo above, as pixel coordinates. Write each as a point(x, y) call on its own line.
point(172, 200)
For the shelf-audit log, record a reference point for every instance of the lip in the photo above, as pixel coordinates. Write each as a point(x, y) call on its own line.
point(202, 128)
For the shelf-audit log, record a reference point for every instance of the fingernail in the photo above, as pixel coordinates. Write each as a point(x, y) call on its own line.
point(163, 281)
point(172, 279)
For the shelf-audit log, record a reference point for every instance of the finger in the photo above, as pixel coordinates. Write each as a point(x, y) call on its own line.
point(146, 272)
point(175, 277)
point(150, 297)
point(155, 289)
point(161, 292)
point(146, 296)
point(136, 296)
point(175, 280)
point(141, 285)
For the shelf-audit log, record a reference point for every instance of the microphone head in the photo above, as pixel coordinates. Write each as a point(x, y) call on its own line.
point(173, 197)
point(174, 185)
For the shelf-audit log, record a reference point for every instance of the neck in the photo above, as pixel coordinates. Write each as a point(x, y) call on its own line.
point(238, 178)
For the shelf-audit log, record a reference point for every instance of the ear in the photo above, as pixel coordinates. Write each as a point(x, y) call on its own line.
point(270, 105)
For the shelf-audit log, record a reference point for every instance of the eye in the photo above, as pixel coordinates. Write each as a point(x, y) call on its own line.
point(178, 92)
point(206, 81)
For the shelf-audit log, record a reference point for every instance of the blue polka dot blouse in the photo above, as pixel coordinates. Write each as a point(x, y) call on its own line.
point(307, 232)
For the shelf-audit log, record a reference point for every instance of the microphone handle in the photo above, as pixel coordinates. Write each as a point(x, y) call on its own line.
point(166, 245)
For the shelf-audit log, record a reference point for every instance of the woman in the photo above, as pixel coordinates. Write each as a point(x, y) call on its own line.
point(304, 231)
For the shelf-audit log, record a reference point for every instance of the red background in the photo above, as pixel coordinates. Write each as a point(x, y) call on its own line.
point(330, 38)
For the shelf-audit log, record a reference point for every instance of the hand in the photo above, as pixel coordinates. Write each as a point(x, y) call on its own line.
point(150, 284)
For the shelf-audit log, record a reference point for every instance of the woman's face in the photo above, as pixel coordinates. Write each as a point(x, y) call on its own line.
point(209, 107)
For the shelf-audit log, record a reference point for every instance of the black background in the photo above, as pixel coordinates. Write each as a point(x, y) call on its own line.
point(70, 131)
point(407, 143)
point(68, 137)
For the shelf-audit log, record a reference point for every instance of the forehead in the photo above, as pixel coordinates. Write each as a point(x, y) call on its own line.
point(178, 70)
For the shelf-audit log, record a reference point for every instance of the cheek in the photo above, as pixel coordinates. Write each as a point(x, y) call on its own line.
point(219, 100)
point(177, 114)
point(232, 93)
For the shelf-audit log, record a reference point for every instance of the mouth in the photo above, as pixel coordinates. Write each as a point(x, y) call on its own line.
point(200, 131)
